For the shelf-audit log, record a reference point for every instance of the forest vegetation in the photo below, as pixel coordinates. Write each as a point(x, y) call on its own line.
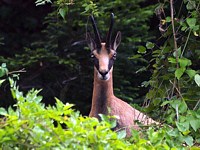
point(46, 74)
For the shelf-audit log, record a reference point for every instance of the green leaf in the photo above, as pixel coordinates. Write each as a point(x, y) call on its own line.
point(39, 2)
point(183, 106)
point(188, 140)
point(141, 70)
point(186, 132)
point(104, 117)
point(195, 28)
point(168, 19)
point(1, 81)
point(191, 22)
point(121, 134)
point(182, 126)
point(191, 5)
point(149, 45)
point(135, 56)
point(141, 49)
point(179, 72)
point(2, 72)
point(3, 112)
point(63, 12)
point(195, 124)
point(42, 2)
point(184, 62)
point(179, 52)
point(113, 122)
point(3, 65)
point(184, 28)
point(195, 147)
point(165, 103)
point(197, 79)
point(191, 73)
point(172, 60)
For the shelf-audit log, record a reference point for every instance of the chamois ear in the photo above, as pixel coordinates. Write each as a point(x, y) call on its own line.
point(90, 41)
point(117, 40)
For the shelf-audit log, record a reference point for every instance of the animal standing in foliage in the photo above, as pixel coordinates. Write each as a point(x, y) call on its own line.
point(103, 99)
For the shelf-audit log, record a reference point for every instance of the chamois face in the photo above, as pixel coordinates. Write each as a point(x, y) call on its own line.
point(103, 57)
point(103, 61)
point(103, 54)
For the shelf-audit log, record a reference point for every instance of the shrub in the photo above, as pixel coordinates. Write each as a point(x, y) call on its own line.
point(32, 125)
point(29, 124)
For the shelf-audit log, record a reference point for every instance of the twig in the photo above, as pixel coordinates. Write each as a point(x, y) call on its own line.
point(195, 107)
point(173, 87)
point(176, 84)
point(180, 9)
point(177, 89)
point(186, 42)
point(177, 114)
point(18, 71)
point(174, 33)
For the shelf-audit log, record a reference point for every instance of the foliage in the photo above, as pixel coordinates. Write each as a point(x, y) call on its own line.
point(50, 45)
point(57, 60)
point(32, 125)
point(175, 73)
point(3, 72)
point(29, 124)
point(187, 120)
point(174, 84)
point(42, 2)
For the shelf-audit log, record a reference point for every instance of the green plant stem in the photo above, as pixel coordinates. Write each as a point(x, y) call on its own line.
point(186, 43)
point(180, 9)
point(197, 104)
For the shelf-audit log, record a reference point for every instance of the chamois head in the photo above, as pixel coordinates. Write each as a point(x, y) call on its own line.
point(103, 53)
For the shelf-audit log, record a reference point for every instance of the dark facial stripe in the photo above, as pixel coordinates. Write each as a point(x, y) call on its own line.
point(111, 62)
point(96, 63)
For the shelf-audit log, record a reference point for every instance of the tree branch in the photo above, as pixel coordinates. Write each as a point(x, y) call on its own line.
point(175, 84)
point(174, 32)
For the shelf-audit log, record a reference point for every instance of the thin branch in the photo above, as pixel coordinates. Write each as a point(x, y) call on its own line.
point(180, 9)
point(186, 43)
point(18, 71)
point(197, 104)
point(178, 91)
point(174, 32)
point(175, 84)
point(177, 112)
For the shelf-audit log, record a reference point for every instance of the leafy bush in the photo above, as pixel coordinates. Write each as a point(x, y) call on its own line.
point(175, 72)
point(174, 84)
point(29, 124)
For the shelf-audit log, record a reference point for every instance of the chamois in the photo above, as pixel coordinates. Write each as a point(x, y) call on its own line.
point(103, 99)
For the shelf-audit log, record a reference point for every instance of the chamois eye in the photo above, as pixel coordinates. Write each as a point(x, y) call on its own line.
point(92, 55)
point(114, 56)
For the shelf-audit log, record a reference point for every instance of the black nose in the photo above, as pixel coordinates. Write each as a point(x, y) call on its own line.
point(103, 73)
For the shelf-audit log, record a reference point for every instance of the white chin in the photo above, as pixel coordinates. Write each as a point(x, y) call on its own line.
point(106, 77)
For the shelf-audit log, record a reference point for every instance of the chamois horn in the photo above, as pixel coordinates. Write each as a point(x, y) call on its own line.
point(96, 32)
point(109, 35)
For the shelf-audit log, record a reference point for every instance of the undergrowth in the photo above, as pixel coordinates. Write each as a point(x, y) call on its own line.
point(29, 124)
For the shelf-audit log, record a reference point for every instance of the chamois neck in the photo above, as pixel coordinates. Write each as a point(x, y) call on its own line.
point(102, 88)
point(102, 93)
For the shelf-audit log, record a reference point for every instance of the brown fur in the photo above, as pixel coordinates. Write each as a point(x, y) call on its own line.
point(103, 98)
